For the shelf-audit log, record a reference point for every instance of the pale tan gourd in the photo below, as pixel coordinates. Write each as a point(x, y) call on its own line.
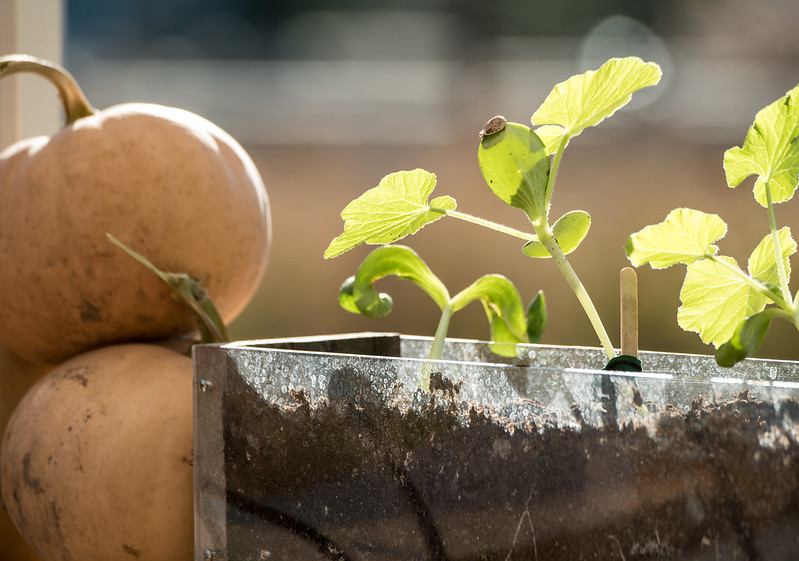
point(165, 182)
point(16, 377)
point(96, 462)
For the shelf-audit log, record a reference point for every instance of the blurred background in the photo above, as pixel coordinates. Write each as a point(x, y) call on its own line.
point(330, 96)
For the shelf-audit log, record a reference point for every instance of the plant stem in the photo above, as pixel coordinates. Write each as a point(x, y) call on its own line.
point(544, 234)
point(76, 106)
point(553, 170)
point(437, 350)
point(441, 333)
point(548, 240)
point(775, 236)
point(565, 268)
point(489, 224)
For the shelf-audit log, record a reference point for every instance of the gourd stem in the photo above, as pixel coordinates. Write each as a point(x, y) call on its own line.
point(186, 289)
point(76, 106)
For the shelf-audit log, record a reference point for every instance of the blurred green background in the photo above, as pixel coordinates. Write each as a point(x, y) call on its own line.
point(328, 97)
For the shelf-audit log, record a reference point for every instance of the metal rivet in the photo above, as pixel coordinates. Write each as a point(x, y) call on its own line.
point(208, 554)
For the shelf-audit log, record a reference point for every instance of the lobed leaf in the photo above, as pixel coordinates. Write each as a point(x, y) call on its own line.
point(358, 293)
point(569, 231)
point(396, 208)
point(515, 165)
point(715, 300)
point(551, 136)
point(763, 264)
point(770, 151)
point(585, 100)
point(685, 236)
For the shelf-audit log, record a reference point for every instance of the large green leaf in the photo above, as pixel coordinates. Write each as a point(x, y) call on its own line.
point(569, 231)
point(685, 236)
point(515, 165)
point(585, 100)
point(359, 295)
point(396, 208)
point(770, 151)
point(715, 300)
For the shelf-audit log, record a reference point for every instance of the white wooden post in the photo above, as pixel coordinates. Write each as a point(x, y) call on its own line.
point(29, 105)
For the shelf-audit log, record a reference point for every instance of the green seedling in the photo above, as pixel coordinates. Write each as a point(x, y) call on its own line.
point(501, 301)
point(727, 306)
point(520, 166)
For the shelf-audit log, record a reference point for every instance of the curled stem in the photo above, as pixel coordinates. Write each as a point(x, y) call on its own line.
point(76, 106)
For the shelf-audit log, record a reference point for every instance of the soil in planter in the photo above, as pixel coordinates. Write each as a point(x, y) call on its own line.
point(357, 478)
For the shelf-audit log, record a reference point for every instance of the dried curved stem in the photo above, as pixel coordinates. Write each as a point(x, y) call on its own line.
point(76, 106)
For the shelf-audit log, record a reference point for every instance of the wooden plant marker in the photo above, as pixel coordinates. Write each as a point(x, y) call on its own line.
point(628, 281)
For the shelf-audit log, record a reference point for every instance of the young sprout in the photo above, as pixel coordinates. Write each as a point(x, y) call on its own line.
point(502, 304)
point(726, 306)
point(520, 166)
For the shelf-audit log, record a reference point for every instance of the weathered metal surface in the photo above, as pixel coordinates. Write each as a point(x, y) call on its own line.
point(325, 448)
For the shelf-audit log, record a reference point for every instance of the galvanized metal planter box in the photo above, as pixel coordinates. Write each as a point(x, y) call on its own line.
point(324, 448)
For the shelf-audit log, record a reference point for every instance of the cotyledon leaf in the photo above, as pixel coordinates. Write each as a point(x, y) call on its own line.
point(396, 208)
point(358, 294)
point(569, 231)
point(515, 165)
point(504, 310)
point(536, 317)
point(747, 338)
